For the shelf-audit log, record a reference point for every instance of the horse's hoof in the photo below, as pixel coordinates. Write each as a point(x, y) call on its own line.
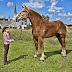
point(34, 57)
point(64, 56)
point(41, 60)
point(61, 53)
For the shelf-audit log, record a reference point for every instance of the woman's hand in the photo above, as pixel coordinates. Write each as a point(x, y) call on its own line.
point(13, 40)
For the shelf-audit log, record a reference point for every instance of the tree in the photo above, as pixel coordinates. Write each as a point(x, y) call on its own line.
point(45, 17)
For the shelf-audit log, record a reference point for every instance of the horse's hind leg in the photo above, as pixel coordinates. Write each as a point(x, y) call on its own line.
point(61, 38)
point(63, 45)
point(36, 46)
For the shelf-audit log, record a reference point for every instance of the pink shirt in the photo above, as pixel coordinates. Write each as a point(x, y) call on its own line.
point(6, 38)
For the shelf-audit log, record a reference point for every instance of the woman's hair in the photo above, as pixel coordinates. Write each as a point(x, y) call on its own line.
point(4, 29)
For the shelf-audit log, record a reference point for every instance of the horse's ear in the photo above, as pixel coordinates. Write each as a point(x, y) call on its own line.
point(22, 7)
point(25, 6)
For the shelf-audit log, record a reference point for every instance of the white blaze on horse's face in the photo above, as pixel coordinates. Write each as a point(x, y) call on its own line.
point(23, 13)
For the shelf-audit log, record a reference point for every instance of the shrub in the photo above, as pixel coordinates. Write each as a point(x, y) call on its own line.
point(28, 27)
point(21, 35)
point(20, 27)
point(10, 27)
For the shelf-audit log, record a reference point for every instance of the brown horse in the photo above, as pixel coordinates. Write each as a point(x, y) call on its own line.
point(44, 29)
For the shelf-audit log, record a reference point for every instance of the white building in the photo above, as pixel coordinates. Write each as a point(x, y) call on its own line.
point(5, 23)
point(23, 23)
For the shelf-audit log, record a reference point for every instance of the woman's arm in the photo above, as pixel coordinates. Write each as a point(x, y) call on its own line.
point(5, 37)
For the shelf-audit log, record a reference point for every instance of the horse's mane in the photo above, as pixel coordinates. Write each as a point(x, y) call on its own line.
point(35, 13)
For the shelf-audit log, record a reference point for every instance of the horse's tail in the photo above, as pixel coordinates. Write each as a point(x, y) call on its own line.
point(67, 29)
point(64, 25)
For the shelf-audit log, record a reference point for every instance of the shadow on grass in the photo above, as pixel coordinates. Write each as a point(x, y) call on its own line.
point(48, 54)
point(18, 58)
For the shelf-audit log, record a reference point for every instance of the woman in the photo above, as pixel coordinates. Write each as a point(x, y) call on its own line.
point(7, 41)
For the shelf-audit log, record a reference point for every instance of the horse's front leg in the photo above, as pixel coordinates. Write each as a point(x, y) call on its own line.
point(42, 48)
point(36, 46)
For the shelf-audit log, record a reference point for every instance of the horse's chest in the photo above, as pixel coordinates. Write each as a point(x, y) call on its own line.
point(35, 33)
point(39, 31)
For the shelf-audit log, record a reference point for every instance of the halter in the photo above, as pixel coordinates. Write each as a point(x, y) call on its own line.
point(25, 15)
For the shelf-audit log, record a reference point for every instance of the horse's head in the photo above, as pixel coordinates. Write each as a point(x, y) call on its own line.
point(24, 13)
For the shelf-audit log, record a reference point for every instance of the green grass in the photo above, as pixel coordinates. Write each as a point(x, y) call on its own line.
point(21, 54)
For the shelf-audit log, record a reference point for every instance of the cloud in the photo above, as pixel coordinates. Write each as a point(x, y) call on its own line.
point(55, 0)
point(50, 15)
point(1, 0)
point(69, 14)
point(38, 0)
point(63, 10)
point(57, 18)
point(71, 21)
point(64, 14)
point(1, 17)
point(36, 3)
point(41, 3)
point(51, 1)
point(53, 7)
point(9, 3)
point(68, 19)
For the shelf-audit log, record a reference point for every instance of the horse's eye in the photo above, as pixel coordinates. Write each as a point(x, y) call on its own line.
point(23, 11)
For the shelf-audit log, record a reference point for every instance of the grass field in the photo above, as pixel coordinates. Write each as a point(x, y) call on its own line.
point(21, 54)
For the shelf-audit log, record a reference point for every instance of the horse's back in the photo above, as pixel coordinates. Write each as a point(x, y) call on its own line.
point(59, 24)
point(62, 27)
point(55, 27)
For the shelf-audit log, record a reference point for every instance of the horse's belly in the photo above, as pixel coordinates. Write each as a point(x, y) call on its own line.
point(50, 34)
point(47, 36)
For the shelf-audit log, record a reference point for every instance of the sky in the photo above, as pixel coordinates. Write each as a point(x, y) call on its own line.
point(55, 9)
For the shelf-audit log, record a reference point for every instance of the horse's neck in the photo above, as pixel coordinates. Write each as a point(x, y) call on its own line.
point(34, 17)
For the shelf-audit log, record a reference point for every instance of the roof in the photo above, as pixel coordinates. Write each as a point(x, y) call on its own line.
point(4, 23)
